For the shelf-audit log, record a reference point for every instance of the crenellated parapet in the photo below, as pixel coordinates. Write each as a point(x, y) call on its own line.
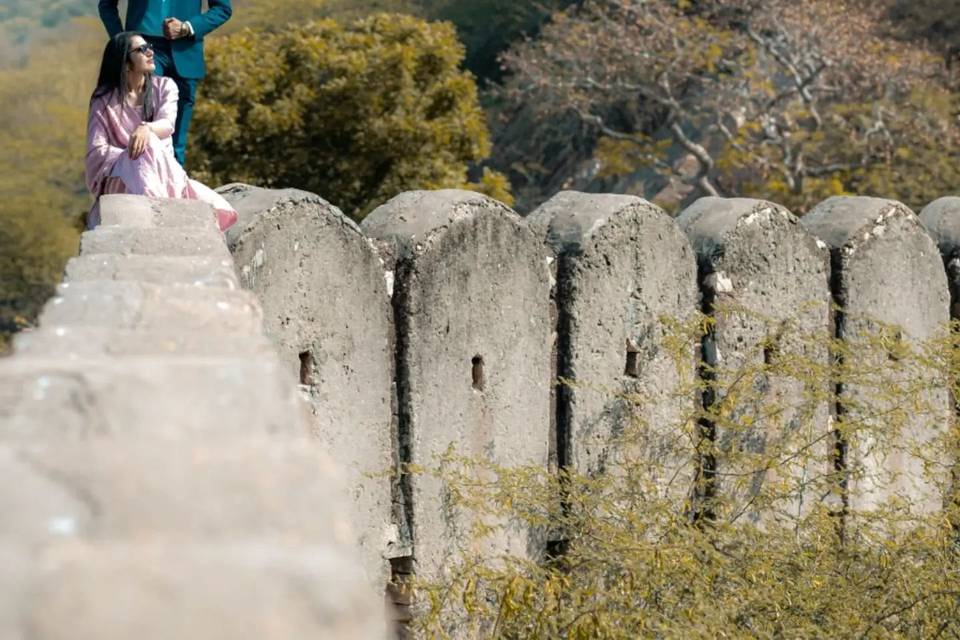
point(486, 308)
point(156, 429)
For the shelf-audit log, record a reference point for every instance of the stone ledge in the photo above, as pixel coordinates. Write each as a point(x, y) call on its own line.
point(72, 342)
point(153, 242)
point(122, 488)
point(138, 211)
point(133, 305)
point(160, 591)
point(188, 270)
point(155, 396)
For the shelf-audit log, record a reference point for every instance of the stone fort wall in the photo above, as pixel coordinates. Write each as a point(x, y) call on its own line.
point(443, 322)
point(152, 430)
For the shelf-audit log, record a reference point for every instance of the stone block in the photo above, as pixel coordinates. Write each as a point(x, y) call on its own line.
point(250, 202)
point(622, 266)
point(154, 591)
point(169, 241)
point(210, 273)
point(327, 308)
point(139, 211)
point(888, 280)
point(134, 306)
point(765, 282)
point(116, 486)
point(156, 395)
point(73, 343)
point(472, 301)
point(942, 221)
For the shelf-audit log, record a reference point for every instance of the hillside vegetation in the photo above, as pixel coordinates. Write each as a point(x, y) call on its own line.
point(667, 99)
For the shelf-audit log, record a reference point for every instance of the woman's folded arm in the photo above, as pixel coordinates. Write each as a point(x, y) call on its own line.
point(166, 115)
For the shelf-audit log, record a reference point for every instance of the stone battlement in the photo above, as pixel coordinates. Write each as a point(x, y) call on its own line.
point(153, 428)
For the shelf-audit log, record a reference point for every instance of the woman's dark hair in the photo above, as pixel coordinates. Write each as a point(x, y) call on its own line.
point(112, 69)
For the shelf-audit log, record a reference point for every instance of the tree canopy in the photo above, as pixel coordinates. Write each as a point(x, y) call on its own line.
point(357, 113)
point(777, 100)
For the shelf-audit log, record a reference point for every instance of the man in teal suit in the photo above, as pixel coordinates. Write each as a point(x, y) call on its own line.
point(175, 29)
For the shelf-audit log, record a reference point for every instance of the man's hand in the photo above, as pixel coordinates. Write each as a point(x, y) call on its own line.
point(138, 141)
point(174, 29)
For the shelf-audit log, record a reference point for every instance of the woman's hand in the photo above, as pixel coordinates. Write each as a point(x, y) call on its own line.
point(138, 141)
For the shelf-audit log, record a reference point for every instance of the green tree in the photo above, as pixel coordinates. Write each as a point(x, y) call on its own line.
point(355, 113)
point(486, 27)
point(276, 15)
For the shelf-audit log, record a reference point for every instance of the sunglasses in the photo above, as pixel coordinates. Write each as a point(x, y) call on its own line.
point(142, 49)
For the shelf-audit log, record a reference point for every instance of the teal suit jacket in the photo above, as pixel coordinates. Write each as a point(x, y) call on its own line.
point(187, 52)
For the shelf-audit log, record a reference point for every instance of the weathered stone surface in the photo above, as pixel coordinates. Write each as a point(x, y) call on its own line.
point(153, 242)
point(195, 271)
point(326, 306)
point(887, 272)
point(471, 296)
point(72, 343)
point(162, 477)
point(623, 264)
point(212, 591)
point(765, 281)
point(942, 221)
point(151, 395)
point(250, 202)
point(137, 211)
point(134, 305)
point(119, 486)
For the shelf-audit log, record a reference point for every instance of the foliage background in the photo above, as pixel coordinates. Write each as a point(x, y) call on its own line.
point(893, 62)
point(49, 52)
point(883, 118)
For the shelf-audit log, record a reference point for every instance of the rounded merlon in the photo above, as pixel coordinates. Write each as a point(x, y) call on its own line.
point(471, 296)
point(941, 218)
point(765, 283)
point(708, 220)
point(567, 220)
point(887, 272)
point(623, 264)
point(850, 220)
point(325, 304)
point(413, 217)
point(251, 202)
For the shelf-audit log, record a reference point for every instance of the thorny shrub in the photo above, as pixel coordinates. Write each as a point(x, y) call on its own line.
point(806, 494)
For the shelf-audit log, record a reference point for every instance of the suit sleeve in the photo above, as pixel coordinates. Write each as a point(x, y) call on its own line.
point(110, 15)
point(218, 12)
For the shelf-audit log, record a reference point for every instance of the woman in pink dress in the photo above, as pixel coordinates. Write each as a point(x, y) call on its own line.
point(130, 129)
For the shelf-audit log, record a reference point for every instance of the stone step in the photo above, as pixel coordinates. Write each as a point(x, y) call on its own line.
point(71, 343)
point(139, 211)
point(213, 591)
point(154, 241)
point(155, 395)
point(136, 306)
point(186, 270)
point(105, 487)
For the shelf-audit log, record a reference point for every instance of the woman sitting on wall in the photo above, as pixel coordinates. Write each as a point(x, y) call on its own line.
point(129, 132)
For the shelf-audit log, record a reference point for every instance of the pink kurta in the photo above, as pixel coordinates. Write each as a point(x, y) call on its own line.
point(156, 172)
